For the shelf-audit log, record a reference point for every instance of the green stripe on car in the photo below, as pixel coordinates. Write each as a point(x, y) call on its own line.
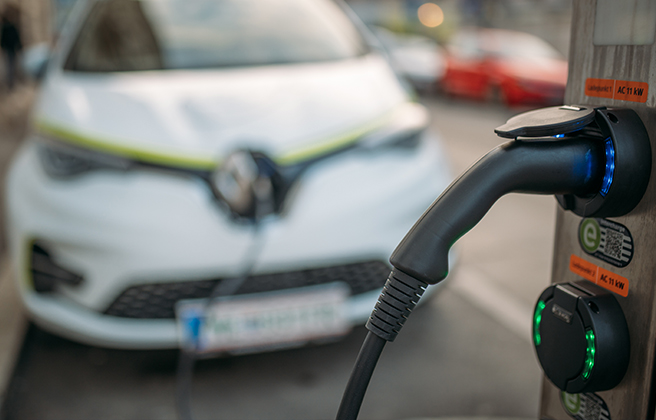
point(190, 161)
point(135, 153)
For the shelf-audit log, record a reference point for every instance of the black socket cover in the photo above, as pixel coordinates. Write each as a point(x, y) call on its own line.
point(570, 311)
point(550, 121)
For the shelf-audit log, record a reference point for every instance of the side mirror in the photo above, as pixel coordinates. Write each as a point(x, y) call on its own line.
point(35, 60)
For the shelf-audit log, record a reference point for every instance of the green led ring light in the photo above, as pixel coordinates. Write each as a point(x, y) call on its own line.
point(537, 319)
point(589, 354)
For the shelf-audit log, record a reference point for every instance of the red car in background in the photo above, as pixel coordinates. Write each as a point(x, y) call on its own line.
point(507, 66)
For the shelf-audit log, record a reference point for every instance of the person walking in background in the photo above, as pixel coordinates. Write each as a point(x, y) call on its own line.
point(10, 42)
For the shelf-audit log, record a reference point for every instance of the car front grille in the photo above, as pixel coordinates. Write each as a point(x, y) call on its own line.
point(157, 300)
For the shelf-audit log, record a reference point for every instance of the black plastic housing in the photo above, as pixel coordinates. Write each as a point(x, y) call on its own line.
point(631, 149)
point(632, 154)
point(570, 310)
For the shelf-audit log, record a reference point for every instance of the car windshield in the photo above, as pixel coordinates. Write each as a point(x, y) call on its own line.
point(130, 35)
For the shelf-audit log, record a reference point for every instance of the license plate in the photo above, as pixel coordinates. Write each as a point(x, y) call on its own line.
point(263, 320)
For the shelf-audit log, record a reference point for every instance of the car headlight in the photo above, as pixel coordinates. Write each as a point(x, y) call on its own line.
point(63, 160)
point(404, 129)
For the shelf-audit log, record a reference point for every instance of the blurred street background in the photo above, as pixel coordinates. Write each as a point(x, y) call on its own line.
point(465, 352)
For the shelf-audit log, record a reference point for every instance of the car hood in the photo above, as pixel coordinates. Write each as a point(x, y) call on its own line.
point(197, 117)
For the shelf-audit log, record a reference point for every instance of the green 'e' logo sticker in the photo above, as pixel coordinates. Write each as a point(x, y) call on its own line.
point(572, 402)
point(590, 235)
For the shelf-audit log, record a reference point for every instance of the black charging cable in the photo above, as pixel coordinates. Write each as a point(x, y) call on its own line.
point(262, 199)
point(189, 354)
point(397, 300)
point(360, 377)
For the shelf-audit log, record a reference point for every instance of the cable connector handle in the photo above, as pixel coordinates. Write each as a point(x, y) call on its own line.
point(395, 303)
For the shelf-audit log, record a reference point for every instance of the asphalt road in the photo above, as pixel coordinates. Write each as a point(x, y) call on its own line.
point(466, 352)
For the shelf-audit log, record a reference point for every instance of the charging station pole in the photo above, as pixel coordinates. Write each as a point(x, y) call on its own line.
point(613, 63)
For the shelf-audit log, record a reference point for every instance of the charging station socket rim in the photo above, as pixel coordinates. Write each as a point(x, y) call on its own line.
point(629, 148)
point(567, 312)
point(632, 166)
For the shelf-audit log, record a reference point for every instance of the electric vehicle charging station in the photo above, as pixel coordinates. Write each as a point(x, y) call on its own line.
point(611, 64)
point(594, 329)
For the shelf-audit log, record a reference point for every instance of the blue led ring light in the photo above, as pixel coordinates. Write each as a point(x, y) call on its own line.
point(610, 167)
point(625, 165)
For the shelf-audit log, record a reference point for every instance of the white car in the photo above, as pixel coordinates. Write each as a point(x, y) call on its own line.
point(178, 144)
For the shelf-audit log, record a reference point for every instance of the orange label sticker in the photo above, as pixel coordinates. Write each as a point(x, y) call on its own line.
point(600, 88)
point(631, 91)
point(582, 268)
point(600, 276)
point(613, 282)
point(617, 89)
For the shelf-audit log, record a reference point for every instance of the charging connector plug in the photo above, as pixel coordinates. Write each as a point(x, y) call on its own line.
point(568, 166)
